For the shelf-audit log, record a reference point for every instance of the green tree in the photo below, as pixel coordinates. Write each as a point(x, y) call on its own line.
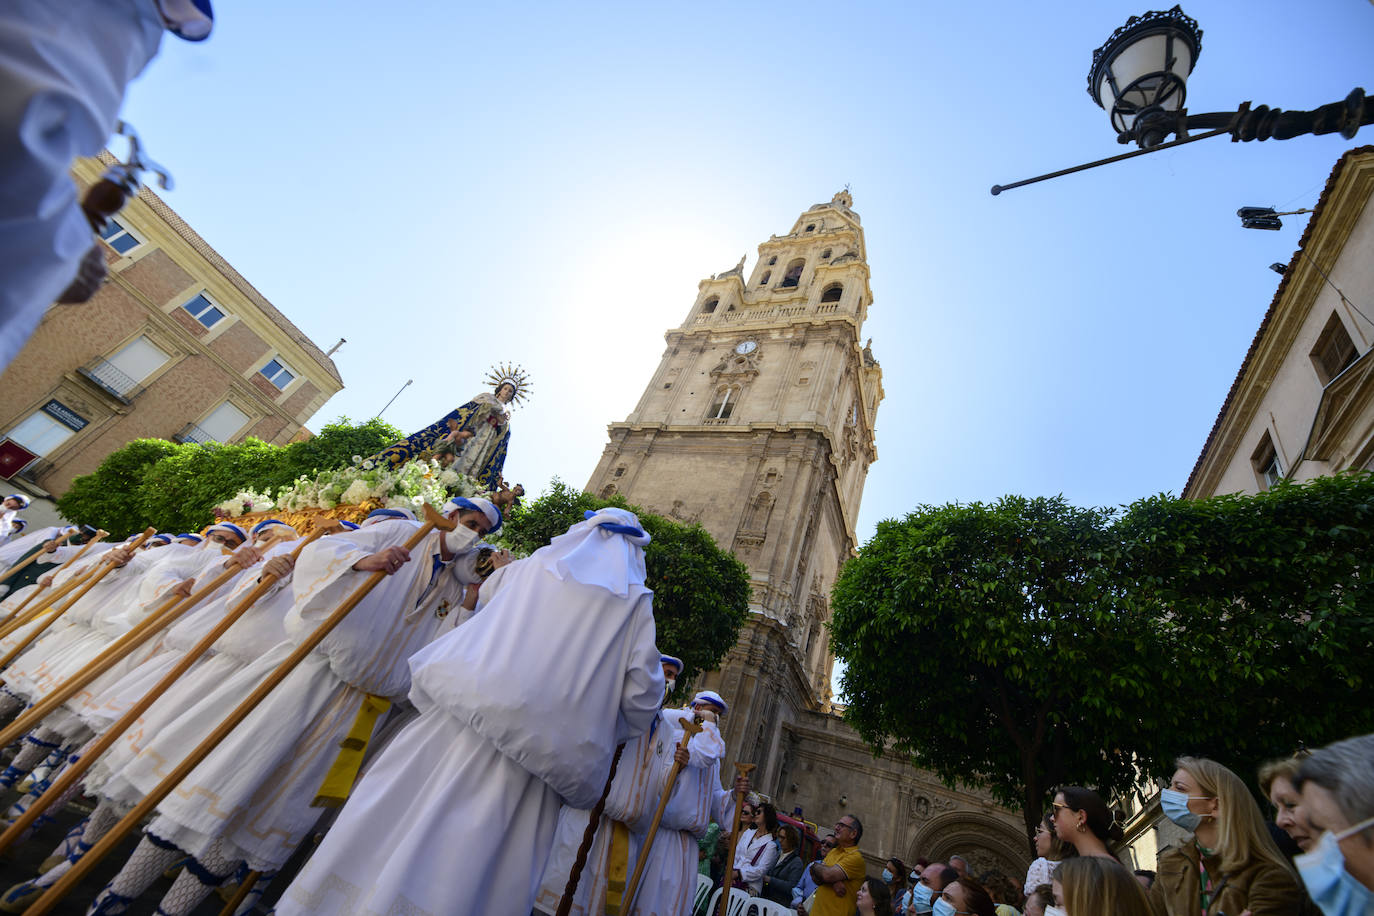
point(1028, 643)
point(701, 593)
point(175, 487)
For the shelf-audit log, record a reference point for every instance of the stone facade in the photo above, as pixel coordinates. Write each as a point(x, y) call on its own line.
point(759, 425)
point(71, 393)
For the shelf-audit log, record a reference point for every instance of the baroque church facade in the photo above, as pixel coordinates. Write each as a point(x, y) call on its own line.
point(759, 425)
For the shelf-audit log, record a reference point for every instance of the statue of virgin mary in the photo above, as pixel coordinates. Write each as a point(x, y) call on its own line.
point(478, 430)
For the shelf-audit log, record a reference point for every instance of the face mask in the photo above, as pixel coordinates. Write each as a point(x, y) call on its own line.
point(669, 685)
point(887, 876)
point(459, 540)
point(1331, 887)
point(1175, 806)
point(915, 877)
point(944, 908)
point(1054, 911)
point(920, 898)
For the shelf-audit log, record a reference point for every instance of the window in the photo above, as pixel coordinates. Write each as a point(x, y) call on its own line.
point(1265, 461)
point(794, 272)
point(773, 260)
point(811, 228)
point(832, 293)
point(203, 310)
point(40, 433)
point(709, 305)
point(825, 254)
point(120, 237)
point(224, 422)
point(763, 281)
point(724, 403)
point(276, 372)
point(1334, 350)
point(126, 369)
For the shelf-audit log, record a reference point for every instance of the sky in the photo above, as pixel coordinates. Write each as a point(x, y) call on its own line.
point(546, 184)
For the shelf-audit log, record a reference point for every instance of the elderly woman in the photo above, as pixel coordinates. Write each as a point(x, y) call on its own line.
point(1276, 783)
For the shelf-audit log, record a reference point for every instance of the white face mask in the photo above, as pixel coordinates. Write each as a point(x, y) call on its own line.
point(459, 540)
point(1328, 882)
point(669, 685)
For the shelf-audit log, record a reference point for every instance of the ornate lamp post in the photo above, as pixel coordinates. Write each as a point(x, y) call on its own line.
point(1140, 77)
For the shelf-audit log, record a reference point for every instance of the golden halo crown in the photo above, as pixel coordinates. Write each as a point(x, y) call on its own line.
point(515, 376)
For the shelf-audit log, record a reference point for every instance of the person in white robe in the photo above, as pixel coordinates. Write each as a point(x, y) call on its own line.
point(521, 709)
point(251, 800)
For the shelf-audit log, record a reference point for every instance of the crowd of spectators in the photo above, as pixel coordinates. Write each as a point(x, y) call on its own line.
point(1316, 855)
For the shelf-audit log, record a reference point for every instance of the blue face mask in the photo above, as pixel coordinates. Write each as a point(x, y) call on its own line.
point(1331, 887)
point(1174, 804)
point(887, 876)
point(944, 908)
point(920, 898)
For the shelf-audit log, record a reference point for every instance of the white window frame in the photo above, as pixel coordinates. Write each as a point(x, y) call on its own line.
point(40, 414)
point(123, 231)
point(282, 366)
point(209, 304)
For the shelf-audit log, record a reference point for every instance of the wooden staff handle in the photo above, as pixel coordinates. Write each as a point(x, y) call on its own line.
point(580, 860)
point(690, 727)
point(278, 674)
point(73, 772)
point(14, 621)
point(170, 611)
point(741, 769)
point(33, 556)
point(91, 581)
point(241, 894)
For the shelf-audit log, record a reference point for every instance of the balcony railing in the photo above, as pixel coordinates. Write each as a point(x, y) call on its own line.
point(767, 313)
point(193, 434)
point(111, 379)
point(34, 470)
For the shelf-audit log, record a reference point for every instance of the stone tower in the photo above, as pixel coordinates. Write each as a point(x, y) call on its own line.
point(759, 424)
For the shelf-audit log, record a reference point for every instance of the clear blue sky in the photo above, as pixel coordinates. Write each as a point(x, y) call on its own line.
point(452, 185)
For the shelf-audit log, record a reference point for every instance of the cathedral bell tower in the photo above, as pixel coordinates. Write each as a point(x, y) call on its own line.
point(759, 424)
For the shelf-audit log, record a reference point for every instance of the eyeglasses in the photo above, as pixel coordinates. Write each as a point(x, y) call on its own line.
point(1058, 807)
point(843, 825)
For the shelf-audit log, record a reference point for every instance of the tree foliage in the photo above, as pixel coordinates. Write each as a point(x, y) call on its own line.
point(701, 593)
point(1029, 643)
point(175, 487)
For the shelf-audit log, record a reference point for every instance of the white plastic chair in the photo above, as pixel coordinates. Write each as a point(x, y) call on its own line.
point(739, 901)
point(703, 891)
point(769, 907)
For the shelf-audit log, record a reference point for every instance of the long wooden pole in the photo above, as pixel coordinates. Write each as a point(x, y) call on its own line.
point(170, 611)
point(103, 570)
point(241, 894)
point(690, 727)
point(741, 769)
point(11, 623)
point(150, 801)
point(33, 556)
point(74, 771)
point(580, 860)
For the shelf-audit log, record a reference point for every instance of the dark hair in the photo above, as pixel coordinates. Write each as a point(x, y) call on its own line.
point(858, 827)
point(1043, 893)
point(882, 897)
point(1002, 888)
point(979, 900)
point(898, 873)
point(1099, 817)
point(942, 871)
point(793, 836)
point(770, 817)
point(923, 861)
point(1059, 850)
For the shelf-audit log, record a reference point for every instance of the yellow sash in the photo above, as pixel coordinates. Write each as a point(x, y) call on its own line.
point(617, 874)
point(343, 772)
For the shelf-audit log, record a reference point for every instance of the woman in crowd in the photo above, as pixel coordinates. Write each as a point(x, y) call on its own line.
point(1096, 885)
point(787, 871)
point(1231, 864)
point(1005, 896)
point(755, 851)
point(1038, 899)
point(894, 873)
point(1083, 821)
point(1050, 851)
point(1276, 783)
point(873, 898)
point(965, 897)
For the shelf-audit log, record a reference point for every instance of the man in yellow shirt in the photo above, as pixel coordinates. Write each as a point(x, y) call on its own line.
point(839, 876)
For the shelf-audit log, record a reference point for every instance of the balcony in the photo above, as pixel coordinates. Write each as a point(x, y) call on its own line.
point(192, 434)
point(110, 379)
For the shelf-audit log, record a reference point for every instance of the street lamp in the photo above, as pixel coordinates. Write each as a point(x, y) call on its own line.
point(1140, 78)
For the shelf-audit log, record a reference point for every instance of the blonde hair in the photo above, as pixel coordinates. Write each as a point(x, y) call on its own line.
point(1096, 884)
point(1282, 768)
point(1242, 837)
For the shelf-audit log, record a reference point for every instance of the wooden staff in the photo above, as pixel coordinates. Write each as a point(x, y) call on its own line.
point(92, 858)
point(170, 611)
point(241, 894)
point(741, 769)
point(68, 777)
point(87, 584)
point(580, 861)
point(690, 727)
point(33, 556)
point(12, 623)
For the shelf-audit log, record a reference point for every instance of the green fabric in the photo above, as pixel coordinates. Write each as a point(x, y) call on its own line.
point(707, 845)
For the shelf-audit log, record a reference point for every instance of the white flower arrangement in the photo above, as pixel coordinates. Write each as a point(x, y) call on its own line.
point(245, 502)
point(409, 486)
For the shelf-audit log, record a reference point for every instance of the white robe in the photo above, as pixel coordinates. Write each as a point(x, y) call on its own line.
point(14, 548)
point(253, 792)
point(520, 710)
